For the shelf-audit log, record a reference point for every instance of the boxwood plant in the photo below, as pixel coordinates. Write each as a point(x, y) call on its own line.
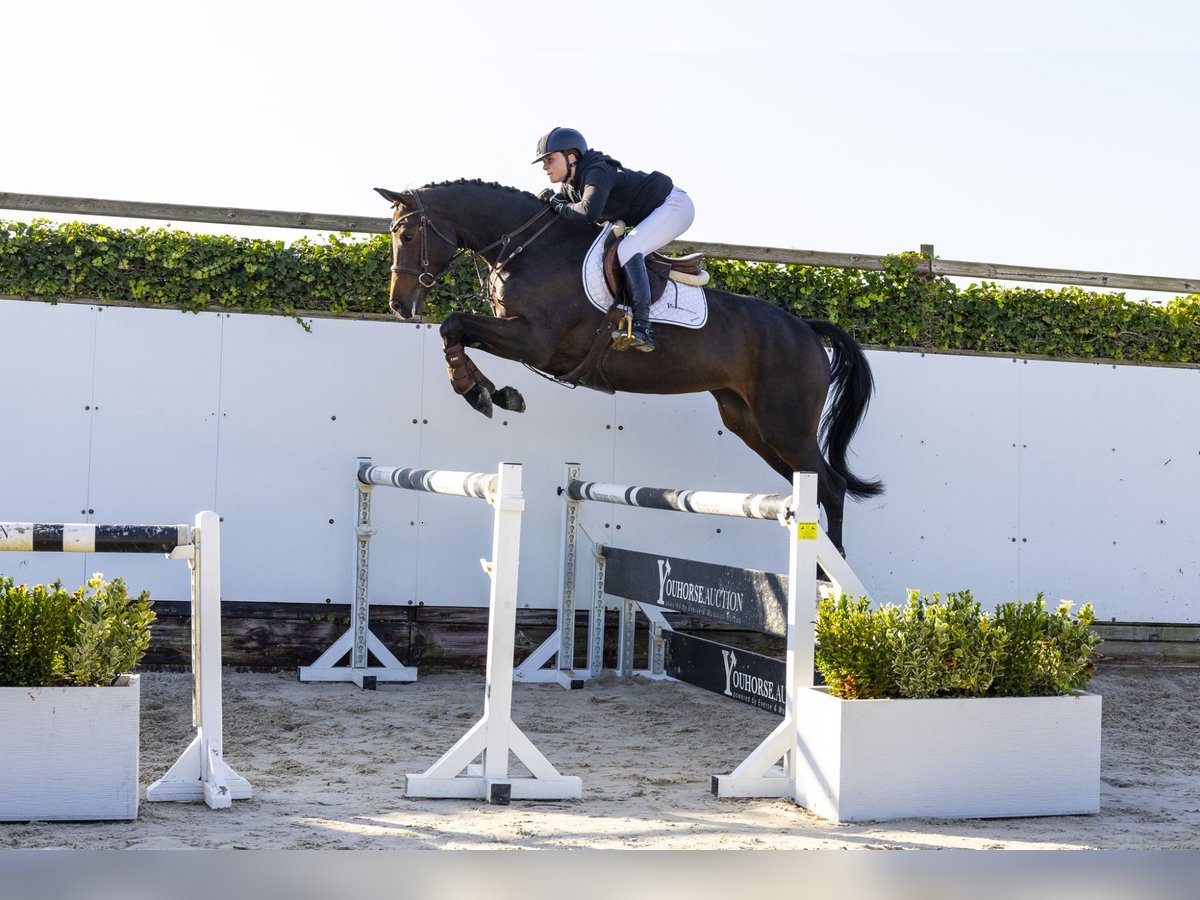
point(952, 648)
point(50, 637)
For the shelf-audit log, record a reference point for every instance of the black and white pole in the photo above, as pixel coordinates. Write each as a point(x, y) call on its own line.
point(32, 537)
point(709, 503)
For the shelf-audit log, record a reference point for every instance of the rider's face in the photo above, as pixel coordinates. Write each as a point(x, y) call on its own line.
point(555, 167)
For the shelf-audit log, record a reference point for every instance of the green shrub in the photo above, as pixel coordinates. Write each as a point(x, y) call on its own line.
point(89, 637)
point(1051, 652)
point(36, 624)
point(949, 648)
point(952, 648)
point(852, 648)
point(900, 306)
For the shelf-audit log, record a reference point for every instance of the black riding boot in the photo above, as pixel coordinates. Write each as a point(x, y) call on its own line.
point(637, 297)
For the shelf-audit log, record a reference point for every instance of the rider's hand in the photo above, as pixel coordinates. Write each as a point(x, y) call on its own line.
point(547, 194)
point(557, 204)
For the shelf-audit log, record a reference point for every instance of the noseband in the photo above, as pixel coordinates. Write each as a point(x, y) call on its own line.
point(425, 224)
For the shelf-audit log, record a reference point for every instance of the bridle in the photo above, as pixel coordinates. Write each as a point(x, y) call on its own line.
point(425, 224)
point(426, 278)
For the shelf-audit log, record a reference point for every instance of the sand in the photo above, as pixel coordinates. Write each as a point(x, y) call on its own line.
point(327, 765)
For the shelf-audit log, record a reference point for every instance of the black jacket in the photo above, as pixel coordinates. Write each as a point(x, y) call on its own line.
point(603, 191)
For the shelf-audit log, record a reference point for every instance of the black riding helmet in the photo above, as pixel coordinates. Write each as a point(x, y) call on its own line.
point(560, 140)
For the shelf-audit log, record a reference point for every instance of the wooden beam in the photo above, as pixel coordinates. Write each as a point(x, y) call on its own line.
point(178, 213)
point(1003, 272)
point(777, 255)
point(368, 225)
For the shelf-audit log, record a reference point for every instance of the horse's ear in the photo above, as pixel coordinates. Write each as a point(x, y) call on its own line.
point(392, 196)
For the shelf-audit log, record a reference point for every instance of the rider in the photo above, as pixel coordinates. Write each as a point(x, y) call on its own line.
point(597, 188)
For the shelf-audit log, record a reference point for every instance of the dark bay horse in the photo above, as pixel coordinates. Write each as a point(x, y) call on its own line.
point(766, 368)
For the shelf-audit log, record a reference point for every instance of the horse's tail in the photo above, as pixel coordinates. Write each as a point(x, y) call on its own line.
point(851, 384)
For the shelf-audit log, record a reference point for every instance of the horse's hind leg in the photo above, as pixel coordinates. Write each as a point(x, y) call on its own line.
point(831, 488)
point(740, 420)
point(802, 453)
point(786, 439)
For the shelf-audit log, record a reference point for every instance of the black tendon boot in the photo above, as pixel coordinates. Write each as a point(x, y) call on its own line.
point(637, 297)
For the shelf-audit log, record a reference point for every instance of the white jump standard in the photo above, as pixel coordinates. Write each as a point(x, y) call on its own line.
point(476, 767)
point(358, 639)
point(201, 772)
point(777, 768)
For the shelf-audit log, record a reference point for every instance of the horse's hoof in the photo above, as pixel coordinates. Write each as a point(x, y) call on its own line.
point(480, 399)
point(509, 398)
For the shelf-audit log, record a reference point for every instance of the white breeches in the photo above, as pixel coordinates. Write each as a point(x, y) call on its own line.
point(659, 228)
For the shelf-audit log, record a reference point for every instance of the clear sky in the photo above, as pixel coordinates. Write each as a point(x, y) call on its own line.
point(1051, 133)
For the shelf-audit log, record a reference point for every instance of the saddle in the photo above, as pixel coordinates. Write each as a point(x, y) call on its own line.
point(685, 269)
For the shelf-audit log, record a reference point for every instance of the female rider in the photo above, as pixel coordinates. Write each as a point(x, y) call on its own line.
point(597, 188)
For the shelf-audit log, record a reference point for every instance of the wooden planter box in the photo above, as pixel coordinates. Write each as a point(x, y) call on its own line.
point(948, 758)
point(69, 753)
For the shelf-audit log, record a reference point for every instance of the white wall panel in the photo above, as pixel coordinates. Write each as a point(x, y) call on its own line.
point(45, 428)
point(154, 432)
point(1110, 486)
point(297, 408)
point(940, 433)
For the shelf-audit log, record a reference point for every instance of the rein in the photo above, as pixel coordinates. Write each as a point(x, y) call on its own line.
point(425, 224)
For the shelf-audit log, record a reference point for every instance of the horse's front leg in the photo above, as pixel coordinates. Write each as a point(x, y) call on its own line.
point(503, 337)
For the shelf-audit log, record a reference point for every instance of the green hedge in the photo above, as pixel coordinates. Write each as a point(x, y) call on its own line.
point(899, 307)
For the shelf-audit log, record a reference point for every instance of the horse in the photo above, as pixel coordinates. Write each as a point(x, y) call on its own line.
point(766, 368)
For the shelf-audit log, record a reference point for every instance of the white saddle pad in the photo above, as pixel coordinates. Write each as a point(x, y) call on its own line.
point(680, 304)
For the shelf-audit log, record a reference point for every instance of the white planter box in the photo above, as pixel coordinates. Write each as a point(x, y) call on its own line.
point(69, 753)
point(948, 758)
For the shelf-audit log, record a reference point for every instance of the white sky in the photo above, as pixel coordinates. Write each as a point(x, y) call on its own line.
point(1046, 133)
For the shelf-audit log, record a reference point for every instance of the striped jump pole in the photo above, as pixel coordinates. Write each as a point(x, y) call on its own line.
point(201, 772)
point(709, 503)
point(31, 537)
point(433, 481)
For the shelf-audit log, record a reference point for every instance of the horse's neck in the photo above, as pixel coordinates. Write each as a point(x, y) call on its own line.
point(485, 220)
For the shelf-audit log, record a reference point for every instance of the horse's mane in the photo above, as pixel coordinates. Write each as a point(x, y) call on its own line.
point(496, 186)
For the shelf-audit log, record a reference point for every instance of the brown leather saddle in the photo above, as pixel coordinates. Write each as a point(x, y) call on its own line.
point(661, 269)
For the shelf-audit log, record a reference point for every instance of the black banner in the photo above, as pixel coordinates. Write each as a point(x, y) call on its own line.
point(743, 597)
point(741, 674)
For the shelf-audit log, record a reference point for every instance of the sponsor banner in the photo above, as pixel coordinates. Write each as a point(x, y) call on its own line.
point(744, 597)
point(749, 677)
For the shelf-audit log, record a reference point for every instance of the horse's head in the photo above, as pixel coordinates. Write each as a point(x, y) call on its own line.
point(421, 251)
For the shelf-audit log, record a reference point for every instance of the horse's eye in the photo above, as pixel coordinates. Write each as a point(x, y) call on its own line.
point(405, 236)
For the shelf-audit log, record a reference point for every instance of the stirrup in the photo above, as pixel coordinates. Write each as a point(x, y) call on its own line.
point(622, 336)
